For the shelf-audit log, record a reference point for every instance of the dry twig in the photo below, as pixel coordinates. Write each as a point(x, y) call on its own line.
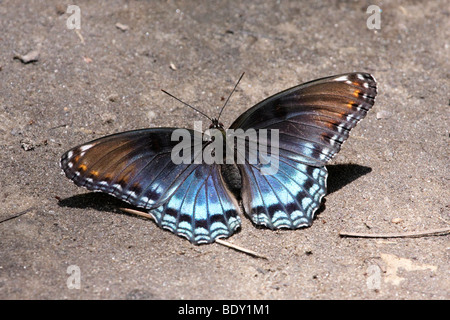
point(239, 248)
point(413, 234)
point(17, 214)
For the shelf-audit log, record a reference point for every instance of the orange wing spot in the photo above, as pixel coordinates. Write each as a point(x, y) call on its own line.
point(76, 158)
point(82, 168)
point(329, 125)
point(355, 83)
point(356, 93)
point(94, 173)
point(350, 104)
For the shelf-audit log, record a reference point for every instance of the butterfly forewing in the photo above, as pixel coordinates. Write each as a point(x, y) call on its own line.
point(134, 166)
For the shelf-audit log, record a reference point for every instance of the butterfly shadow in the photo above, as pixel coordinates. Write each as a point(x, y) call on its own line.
point(339, 175)
point(96, 201)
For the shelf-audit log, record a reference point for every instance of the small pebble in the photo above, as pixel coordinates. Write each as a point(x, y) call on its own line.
point(122, 27)
point(31, 56)
point(383, 114)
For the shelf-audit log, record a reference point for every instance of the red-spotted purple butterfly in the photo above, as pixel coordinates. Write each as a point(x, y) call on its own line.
point(193, 200)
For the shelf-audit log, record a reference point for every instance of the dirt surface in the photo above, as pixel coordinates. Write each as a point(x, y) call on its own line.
point(391, 176)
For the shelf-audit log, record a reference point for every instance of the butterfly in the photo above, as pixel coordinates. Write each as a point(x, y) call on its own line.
point(193, 199)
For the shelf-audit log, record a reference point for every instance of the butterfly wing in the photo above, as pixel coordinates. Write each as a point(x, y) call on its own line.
point(313, 120)
point(202, 209)
point(189, 199)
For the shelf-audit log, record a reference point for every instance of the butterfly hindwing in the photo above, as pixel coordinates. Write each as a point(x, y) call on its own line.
point(202, 209)
point(313, 120)
point(287, 199)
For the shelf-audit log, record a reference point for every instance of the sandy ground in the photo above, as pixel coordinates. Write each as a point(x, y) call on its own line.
point(391, 176)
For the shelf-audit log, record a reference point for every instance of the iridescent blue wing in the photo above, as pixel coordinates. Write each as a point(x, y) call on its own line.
point(190, 199)
point(202, 209)
point(313, 120)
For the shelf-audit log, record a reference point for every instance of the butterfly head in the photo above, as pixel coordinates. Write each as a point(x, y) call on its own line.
point(215, 124)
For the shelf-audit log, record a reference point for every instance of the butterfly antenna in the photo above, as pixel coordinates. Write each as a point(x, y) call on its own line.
point(186, 104)
point(230, 95)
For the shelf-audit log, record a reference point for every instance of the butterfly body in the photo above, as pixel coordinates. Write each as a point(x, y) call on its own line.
point(191, 199)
